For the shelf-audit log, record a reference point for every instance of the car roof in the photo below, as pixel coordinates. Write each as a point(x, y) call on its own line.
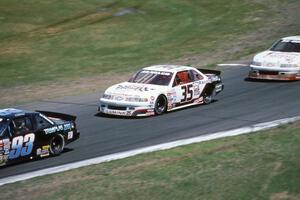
point(10, 113)
point(168, 68)
point(297, 38)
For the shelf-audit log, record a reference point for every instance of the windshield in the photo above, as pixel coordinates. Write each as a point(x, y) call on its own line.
point(286, 46)
point(152, 77)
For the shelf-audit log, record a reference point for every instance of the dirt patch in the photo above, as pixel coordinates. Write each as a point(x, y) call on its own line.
point(126, 11)
point(14, 48)
point(23, 94)
point(283, 196)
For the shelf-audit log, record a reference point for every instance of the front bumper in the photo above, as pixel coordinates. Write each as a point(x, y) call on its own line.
point(125, 109)
point(265, 73)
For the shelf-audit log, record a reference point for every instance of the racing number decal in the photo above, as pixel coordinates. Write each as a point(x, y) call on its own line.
point(187, 91)
point(17, 147)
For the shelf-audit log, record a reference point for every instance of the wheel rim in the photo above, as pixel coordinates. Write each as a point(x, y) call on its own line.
point(56, 145)
point(207, 99)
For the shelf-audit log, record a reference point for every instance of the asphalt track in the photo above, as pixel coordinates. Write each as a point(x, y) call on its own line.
point(242, 103)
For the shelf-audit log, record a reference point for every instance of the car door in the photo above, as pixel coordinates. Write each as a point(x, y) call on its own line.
point(23, 138)
point(183, 86)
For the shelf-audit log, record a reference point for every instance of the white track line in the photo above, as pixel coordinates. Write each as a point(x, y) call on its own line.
point(164, 146)
point(233, 65)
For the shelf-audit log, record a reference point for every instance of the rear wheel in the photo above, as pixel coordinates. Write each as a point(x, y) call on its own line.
point(207, 99)
point(160, 105)
point(57, 144)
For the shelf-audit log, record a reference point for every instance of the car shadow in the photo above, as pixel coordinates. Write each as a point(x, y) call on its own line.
point(103, 115)
point(194, 106)
point(66, 150)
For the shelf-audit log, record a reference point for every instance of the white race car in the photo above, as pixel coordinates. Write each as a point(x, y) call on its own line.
point(156, 89)
point(280, 62)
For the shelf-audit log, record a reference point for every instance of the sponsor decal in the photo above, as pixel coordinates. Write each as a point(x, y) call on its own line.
point(199, 100)
point(70, 135)
point(270, 65)
point(156, 72)
point(196, 89)
point(117, 112)
point(218, 87)
point(171, 96)
point(119, 98)
point(67, 126)
point(4, 146)
point(134, 87)
point(152, 98)
point(44, 151)
point(58, 128)
point(54, 129)
point(3, 159)
point(150, 113)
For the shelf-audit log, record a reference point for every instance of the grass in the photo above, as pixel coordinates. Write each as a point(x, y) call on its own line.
point(256, 166)
point(56, 40)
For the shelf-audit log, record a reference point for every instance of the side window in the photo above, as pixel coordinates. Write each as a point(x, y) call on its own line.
point(41, 122)
point(196, 75)
point(4, 131)
point(22, 125)
point(182, 78)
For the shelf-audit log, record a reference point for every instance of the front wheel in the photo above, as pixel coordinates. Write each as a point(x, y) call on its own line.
point(160, 105)
point(57, 144)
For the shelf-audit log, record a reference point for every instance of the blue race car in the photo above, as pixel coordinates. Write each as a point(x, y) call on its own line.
point(25, 135)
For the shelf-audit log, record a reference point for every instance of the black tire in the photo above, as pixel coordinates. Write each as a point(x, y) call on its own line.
point(207, 99)
point(161, 104)
point(57, 145)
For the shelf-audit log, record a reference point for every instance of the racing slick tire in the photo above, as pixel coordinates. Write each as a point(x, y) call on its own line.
point(161, 104)
point(207, 99)
point(57, 144)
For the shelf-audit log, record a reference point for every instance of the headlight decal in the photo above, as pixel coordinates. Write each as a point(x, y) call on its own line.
point(256, 63)
point(289, 65)
point(136, 99)
point(107, 96)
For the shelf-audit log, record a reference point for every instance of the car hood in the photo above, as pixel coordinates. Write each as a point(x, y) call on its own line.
point(278, 57)
point(134, 89)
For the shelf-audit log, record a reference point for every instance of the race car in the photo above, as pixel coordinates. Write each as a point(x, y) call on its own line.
point(26, 135)
point(280, 62)
point(157, 89)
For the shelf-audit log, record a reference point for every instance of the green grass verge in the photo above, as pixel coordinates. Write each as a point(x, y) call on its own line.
point(52, 40)
point(256, 166)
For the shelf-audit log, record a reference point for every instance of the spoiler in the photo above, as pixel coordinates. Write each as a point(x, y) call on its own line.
point(58, 115)
point(210, 71)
